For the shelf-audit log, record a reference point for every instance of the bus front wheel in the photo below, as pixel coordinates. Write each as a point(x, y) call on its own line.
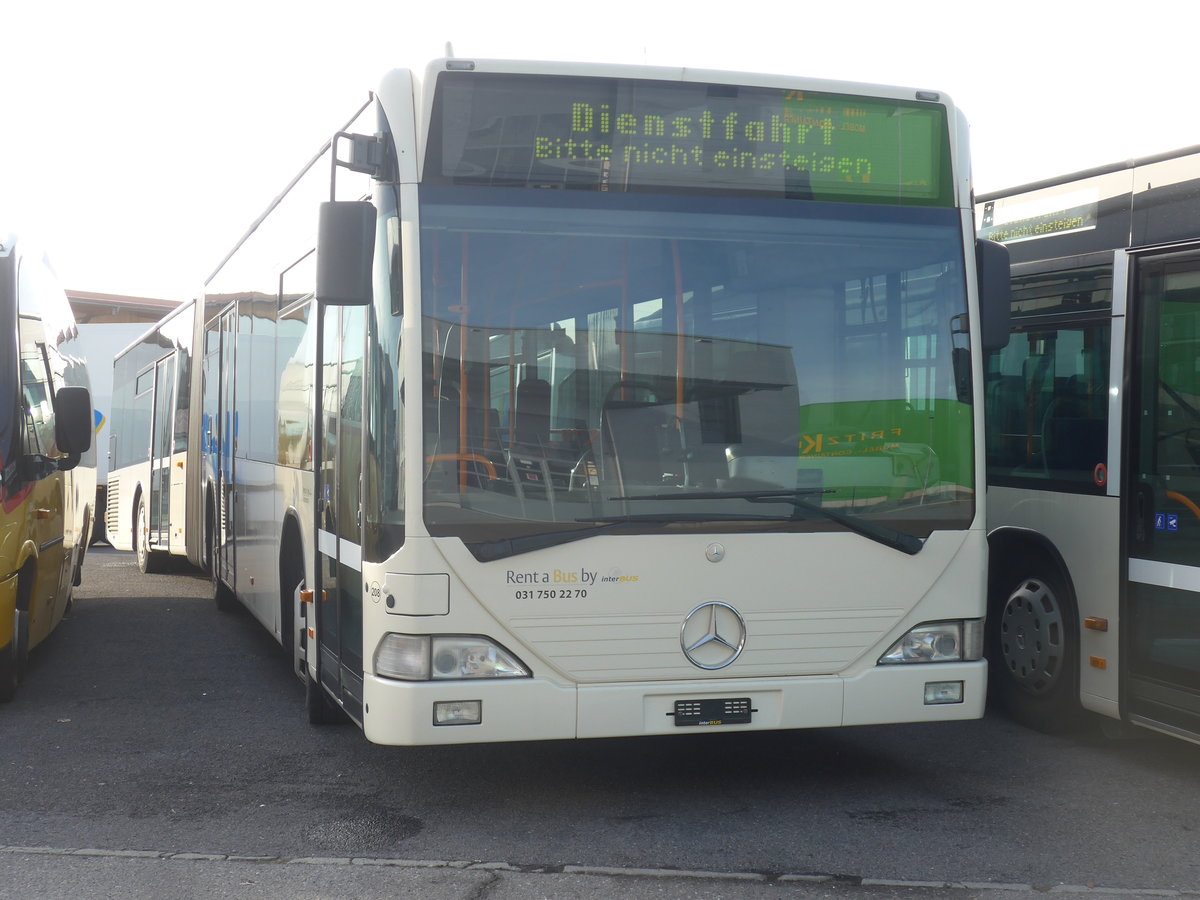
point(1033, 649)
point(149, 561)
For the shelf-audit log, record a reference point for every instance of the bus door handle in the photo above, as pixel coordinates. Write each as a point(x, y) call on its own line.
point(1143, 516)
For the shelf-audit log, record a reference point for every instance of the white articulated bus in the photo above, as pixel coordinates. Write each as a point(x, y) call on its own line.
point(1093, 447)
point(611, 401)
point(154, 446)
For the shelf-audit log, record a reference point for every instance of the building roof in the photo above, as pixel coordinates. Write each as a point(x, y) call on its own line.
point(91, 307)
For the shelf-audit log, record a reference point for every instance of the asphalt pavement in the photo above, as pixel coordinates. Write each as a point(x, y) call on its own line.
point(158, 750)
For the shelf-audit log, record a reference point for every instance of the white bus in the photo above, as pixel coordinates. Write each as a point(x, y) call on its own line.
point(1093, 447)
point(152, 504)
point(47, 461)
point(107, 323)
point(611, 401)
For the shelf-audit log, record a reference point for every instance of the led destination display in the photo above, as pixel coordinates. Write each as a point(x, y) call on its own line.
point(629, 135)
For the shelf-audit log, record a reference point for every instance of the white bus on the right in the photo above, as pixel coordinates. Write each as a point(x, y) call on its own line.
point(1093, 448)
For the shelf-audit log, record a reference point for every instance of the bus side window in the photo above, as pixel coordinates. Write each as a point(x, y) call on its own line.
point(1051, 420)
point(39, 408)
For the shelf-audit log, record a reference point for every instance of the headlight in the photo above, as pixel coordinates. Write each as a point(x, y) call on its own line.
point(938, 642)
point(444, 657)
point(403, 656)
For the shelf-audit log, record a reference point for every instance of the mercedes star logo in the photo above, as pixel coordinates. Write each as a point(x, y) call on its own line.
point(712, 635)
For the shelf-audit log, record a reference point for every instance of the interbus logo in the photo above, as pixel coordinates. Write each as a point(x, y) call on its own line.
point(712, 635)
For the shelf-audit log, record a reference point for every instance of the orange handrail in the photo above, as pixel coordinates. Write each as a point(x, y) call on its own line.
point(1179, 498)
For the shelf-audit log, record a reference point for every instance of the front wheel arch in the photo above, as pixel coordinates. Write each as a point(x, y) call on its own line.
point(1032, 641)
point(292, 578)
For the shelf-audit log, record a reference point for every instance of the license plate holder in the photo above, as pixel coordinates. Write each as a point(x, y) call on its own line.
point(712, 712)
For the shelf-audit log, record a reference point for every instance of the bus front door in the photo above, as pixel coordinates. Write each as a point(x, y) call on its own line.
point(1161, 619)
point(339, 467)
point(225, 438)
point(162, 432)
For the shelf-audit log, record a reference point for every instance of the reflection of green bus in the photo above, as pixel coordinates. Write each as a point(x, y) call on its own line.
point(47, 462)
point(888, 451)
point(750, 426)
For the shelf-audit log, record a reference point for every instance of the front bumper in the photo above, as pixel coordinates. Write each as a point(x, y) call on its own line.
point(533, 709)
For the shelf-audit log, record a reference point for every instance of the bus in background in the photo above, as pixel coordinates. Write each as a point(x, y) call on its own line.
point(1093, 447)
point(151, 434)
point(602, 401)
point(47, 461)
point(107, 323)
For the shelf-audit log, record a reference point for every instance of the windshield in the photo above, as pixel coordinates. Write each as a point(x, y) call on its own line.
point(645, 364)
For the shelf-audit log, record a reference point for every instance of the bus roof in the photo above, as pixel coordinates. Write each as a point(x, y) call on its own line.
point(1143, 202)
point(676, 73)
point(1107, 169)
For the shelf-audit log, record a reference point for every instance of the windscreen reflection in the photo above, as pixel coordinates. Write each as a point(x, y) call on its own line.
point(634, 364)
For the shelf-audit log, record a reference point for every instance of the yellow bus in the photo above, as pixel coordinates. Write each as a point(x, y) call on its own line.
point(47, 463)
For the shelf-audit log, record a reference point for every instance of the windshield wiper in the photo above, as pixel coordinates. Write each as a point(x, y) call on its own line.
point(889, 537)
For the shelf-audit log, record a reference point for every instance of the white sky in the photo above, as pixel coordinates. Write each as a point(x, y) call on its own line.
point(141, 137)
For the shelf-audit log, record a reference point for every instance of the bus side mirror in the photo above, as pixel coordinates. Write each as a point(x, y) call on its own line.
point(995, 293)
point(73, 423)
point(345, 252)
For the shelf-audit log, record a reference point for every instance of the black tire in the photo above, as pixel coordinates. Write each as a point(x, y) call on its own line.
point(1033, 646)
point(149, 561)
